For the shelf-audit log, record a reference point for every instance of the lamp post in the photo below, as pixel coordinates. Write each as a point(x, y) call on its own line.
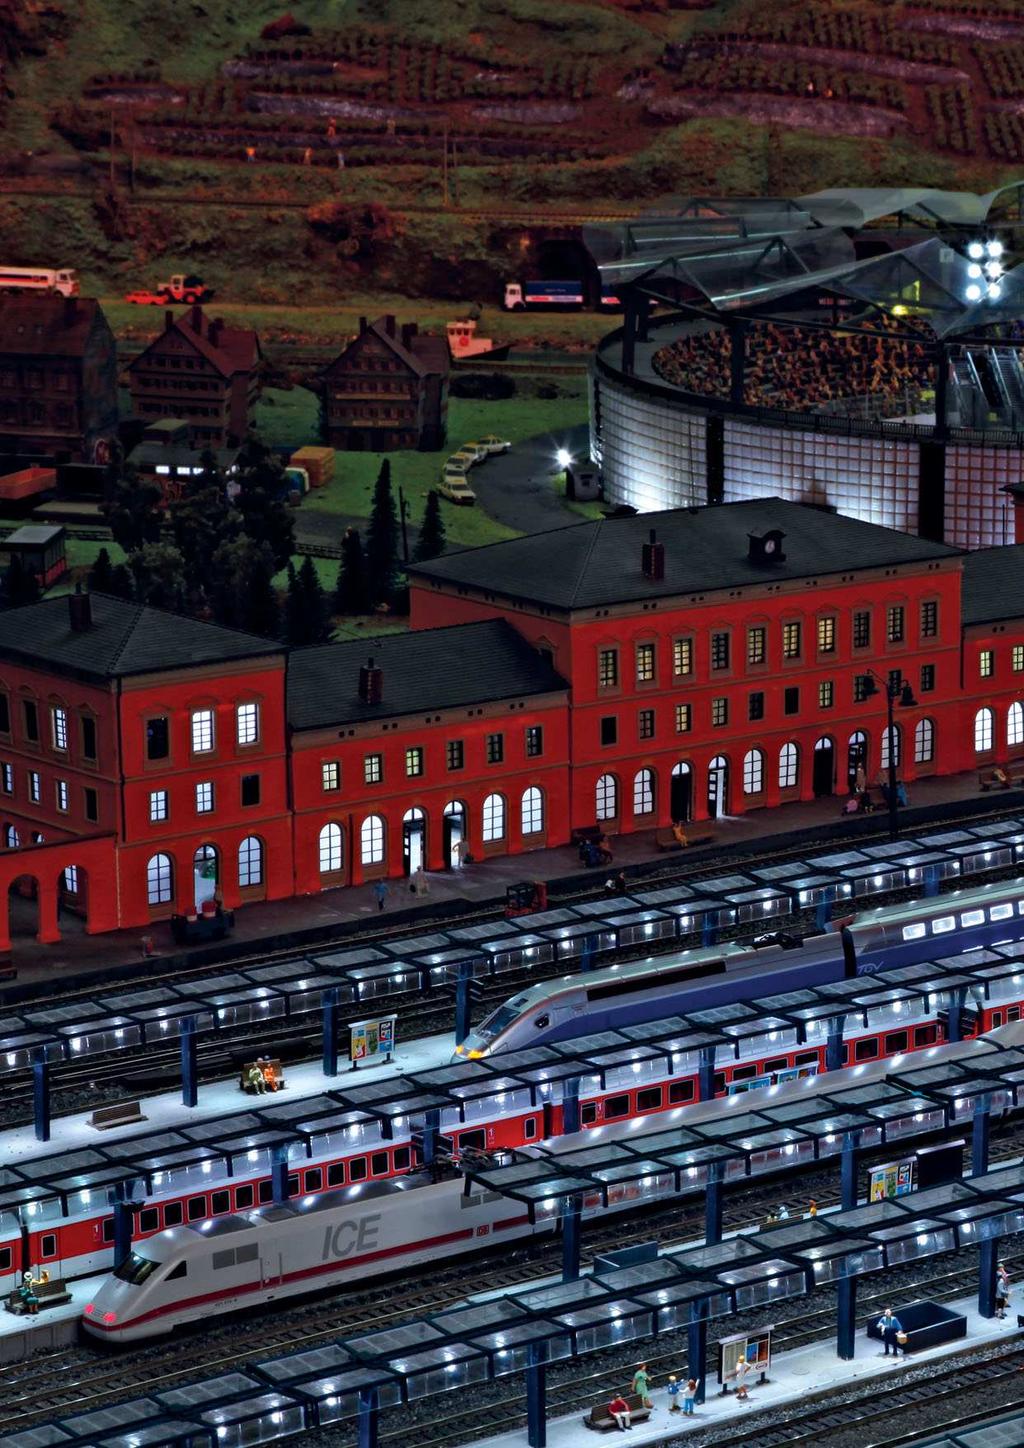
point(905, 695)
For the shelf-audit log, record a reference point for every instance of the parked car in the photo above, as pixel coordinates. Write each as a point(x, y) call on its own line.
point(467, 455)
point(477, 449)
point(494, 444)
point(455, 488)
point(455, 467)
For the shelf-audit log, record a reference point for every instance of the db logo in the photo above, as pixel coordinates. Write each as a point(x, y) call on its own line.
point(482, 1231)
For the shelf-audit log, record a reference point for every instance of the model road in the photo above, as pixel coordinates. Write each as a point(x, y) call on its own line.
point(516, 488)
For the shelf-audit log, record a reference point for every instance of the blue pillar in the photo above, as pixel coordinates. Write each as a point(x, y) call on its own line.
point(931, 881)
point(589, 956)
point(330, 1031)
point(822, 912)
point(463, 1001)
point(124, 1224)
point(279, 1173)
point(834, 1047)
point(988, 1260)
point(431, 1125)
point(189, 1062)
point(848, 1172)
point(708, 932)
point(570, 1105)
point(713, 1204)
point(572, 1208)
point(368, 1418)
point(536, 1395)
point(846, 1317)
point(697, 1345)
point(980, 1134)
point(954, 1030)
point(41, 1093)
point(706, 1079)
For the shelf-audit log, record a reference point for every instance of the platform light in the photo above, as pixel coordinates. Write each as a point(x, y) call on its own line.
point(975, 250)
point(563, 457)
point(994, 247)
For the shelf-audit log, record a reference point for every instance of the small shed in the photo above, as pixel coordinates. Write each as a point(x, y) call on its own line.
point(41, 550)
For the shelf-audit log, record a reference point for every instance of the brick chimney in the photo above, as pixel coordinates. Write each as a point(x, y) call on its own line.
point(409, 330)
point(216, 327)
point(362, 325)
point(79, 610)
point(371, 683)
point(70, 310)
point(653, 557)
point(389, 324)
point(168, 320)
point(195, 319)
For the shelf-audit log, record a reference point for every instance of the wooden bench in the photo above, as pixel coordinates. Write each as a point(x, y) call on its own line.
point(243, 1076)
point(105, 1117)
point(666, 840)
point(586, 834)
point(1014, 777)
point(50, 1294)
point(601, 1421)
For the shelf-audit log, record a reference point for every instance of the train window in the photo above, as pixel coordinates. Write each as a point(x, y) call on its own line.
point(806, 1058)
point(972, 917)
point(719, 1082)
point(779, 1064)
point(180, 1271)
point(248, 1253)
point(293, 1184)
point(108, 1229)
point(944, 925)
point(244, 1197)
point(196, 1208)
point(6, 1259)
point(588, 1113)
point(1001, 912)
point(744, 1073)
point(542, 1021)
point(357, 1169)
point(472, 1140)
point(866, 1050)
point(914, 932)
point(616, 1106)
point(220, 1202)
point(402, 1158)
point(926, 1035)
point(336, 1174)
point(530, 1128)
point(379, 1164)
point(680, 1091)
point(48, 1245)
point(314, 1179)
point(1012, 1014)
point(172, 1214)
point(266, 1191)
point(895, 1042)
point(149, 1220)
point(649, 1099)
point(224, 1258)
point(997, 1019)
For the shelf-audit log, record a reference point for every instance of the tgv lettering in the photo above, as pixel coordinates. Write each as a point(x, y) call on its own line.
point(348, 1237)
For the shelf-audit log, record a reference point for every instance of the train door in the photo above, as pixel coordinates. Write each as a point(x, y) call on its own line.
point(41, 1245)
point(414, 837)
point(681, 802)
point(271, 1268)
point(718, 787)
point(454, 832)
point(824, 767)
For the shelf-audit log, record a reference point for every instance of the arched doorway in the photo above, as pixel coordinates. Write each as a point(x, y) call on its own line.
point(23, 908)
point(856, 757)
point(718, 787)
point(824, 766)
point(205, 874)
point(454, 826)
point(414, 840)
point(681, 793)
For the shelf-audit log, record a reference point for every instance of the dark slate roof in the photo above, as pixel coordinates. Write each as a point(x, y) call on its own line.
point(596, 564)
point(994, 584)
point(125, 638)
point(47, 326)
point(440, 668)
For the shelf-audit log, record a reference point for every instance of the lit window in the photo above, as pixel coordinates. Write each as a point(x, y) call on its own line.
point(753, 771)
point(861, 630)
point(986, 663)
point(894, 626)
point(756, 644)
point(826, 635)
point(371, 840)
point(157, 805)
point(1017, 658)
point(790, 640)
point(330, 774)
point(71, 879)
point(924, 741)
point(789, 758)
point(684, 718)
point(608, 668)
point(373, 768)
point(493, 827)
point(644, 663)
point(719, 712)
point(826, 694)
point(682, 656)
point(414, 762)
point(1015, 725)
point(247, 723)
point(331, 849)
point(202, 731)
point(891, 742)
point(607, 801)
point(983, 731)
point(204, 797)
point(643, 792)
point(719, 650)
point(929, 619)
point(532, 811)
point(34, 786)
point(59, 727)
point(250, 862)
point(62, 795)
point(159, 880)
point(7, 778)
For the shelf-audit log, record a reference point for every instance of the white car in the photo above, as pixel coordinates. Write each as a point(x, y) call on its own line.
point(493, 444)
point(454, 487)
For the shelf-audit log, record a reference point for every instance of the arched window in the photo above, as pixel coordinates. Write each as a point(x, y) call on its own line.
point(789, 762)
point(532, 811)
point(494, 818)
point(607, 802)
point(330, 849)
point(250, 862)
point(924, 741)
point(371, 840)
point(753, 771)
point(1015, 725)
point(983, 731)
point(643, 792)
point(11, 837)
point(892, 746)
point(159, 880)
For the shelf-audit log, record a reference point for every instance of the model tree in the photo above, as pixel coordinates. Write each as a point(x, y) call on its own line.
point(202, 521)
point(382, 540)
point(132, 508)
point(242, 592)
point(159, 573)
point(432, 539)
point(306, 618)
point(265, 515)
point(350, 593)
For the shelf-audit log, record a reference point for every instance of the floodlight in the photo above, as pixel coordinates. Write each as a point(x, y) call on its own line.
point(975, 250)
point(994, 248)
point(973, 269)
point(995, 291)
point(993, 270)
point(563, 457)
point(973, 293)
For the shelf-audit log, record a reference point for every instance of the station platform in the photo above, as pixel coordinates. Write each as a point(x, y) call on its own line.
point(220, 1098)
point(797, 1376)
point(53, 1327)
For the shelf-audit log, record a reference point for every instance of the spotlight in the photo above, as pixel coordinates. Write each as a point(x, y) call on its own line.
point(973, 293)
point(563, 457)
point(995, 291)
point(994, 248)
point(975, 250)
point(993, 270)
point(973, 269)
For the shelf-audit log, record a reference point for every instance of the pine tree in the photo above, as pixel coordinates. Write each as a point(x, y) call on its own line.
point(101, 573)
point(122, 583)
point(318, 627)
point(432, 539)
point(243, 594)
point(132, 507)
point(294, 623)
point(350, 594)
point(382, 539)
point(266, 517)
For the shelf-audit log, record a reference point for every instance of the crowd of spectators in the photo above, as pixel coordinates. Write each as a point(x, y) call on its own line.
point(799, 369)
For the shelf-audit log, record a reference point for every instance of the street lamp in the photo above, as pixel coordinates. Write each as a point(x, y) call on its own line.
point(894, 692)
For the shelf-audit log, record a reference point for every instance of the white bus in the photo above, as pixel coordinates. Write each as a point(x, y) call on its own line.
point(63, 281)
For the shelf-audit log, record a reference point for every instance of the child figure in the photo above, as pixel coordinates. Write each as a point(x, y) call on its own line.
point(689, 1397)
point(674, 1390)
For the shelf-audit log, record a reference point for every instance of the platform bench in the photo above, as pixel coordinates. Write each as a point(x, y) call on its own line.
point(1014, 777)
point(50, 1294)
point(601, 1421)
point(125, 1112)
point(666, 840)
point(243, 1076)
point(586, 834)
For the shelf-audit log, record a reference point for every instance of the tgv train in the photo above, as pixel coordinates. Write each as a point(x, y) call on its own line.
point(247, 1260)
point(343, 1156)
point(652, 989)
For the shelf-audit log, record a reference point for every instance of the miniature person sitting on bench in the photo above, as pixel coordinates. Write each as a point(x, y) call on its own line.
point(619, 1410)
point(27, 1292)
point(269, 1075)
point(255, 1079)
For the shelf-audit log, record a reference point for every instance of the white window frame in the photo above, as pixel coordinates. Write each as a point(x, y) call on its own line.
point(250, 862)
point(330, 843)
point(606, 796)
point(492, 826)
point(59, 727)
point(984, 731)
point(35, 786)
point(1015, 724)
point(924, 740)
point(753, 771)
point(159, 879)
point(204, 797)
point(891, 739)
point(247, 725)
point(532, 811)
point(371, 840)
point(643, 792)
point(61, 791)
point(202, 731)
point(789, 766)
point(158, 806)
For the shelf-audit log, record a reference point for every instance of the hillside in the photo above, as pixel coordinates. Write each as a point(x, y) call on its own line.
point(137, 131)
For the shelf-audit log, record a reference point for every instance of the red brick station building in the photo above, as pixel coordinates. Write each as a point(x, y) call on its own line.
point(594, 674)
